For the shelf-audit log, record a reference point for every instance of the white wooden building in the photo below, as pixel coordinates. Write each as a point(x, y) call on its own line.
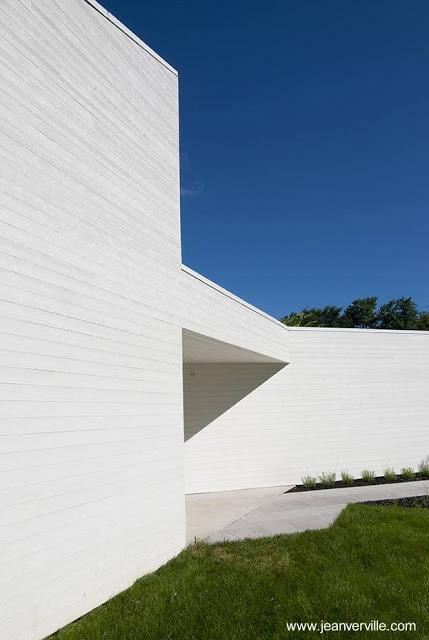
point(126, 379)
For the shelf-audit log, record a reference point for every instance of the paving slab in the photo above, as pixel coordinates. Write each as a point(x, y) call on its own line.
point(210, 512)
point(298, 511)
point(278, 513)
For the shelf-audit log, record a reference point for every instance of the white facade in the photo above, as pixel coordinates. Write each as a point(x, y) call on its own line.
point(125, 376)
point(349, 399)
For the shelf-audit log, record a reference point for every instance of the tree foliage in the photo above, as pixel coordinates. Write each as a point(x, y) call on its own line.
point(399, 313)
point(362, 312)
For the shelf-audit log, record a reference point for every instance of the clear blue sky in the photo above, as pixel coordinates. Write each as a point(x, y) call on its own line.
point(304, 143)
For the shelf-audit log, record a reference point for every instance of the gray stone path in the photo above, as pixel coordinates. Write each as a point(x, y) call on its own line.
point(254, 513)
point(209, 512)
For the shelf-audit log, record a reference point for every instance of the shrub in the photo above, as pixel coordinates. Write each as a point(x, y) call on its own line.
point(309, 482)
point(368, 475)
point(389, 474)
point(347, 478)
point(327, 479)
point(424, 468)
point(408, 473)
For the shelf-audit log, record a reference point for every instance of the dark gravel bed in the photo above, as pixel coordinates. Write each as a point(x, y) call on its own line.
point(356, 483)
point(415, 501)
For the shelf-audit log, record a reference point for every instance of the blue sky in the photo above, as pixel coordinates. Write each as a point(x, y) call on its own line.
point(304, 143)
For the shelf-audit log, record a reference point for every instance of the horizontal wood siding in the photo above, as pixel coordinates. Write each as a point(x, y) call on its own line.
point(349, 399)
point(91, 435)
point(93, 300)
point(210, 310)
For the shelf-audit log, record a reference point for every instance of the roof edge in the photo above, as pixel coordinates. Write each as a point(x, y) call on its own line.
point(230, 295)
point(417, 332)
point(119, 25)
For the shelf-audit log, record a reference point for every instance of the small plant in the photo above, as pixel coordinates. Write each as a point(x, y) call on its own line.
point(309, 482)
point(389, 474)
point(408, 473)
point(424, 468)
point(368, 475)
point(347, 478)
point(327, 479)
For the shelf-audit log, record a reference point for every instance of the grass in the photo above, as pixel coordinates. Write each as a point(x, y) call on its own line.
point(424, 469)
point(309, 482)
point(368, 475)
point(408, 473)
point(389, 474)
point(372, 563)
point(327, 479)
point(347, 478)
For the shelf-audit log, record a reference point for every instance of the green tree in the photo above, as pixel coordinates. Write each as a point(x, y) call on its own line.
point(423, 321)
point(304, 318)
point(362, 312)
point(399, 313)
point(329, 316)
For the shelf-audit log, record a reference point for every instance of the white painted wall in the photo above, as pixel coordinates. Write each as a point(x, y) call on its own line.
point(349, 399)
point(211, 389)
point(92, 304)
point(207, 308)
point(91, 435)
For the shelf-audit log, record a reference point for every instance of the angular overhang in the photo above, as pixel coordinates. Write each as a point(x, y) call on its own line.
point(200, 348)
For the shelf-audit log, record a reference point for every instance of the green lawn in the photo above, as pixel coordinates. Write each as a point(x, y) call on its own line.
point(373, 563)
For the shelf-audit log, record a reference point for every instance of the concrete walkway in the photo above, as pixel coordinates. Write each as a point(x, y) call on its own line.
point(207, 513)
point(255, 513)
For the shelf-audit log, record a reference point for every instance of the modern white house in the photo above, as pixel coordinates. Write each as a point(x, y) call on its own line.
point(127, 379)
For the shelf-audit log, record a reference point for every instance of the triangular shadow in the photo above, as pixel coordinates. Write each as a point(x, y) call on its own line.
point(210, 389)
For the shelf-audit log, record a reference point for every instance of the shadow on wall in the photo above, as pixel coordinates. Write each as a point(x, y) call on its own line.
point(210, 389)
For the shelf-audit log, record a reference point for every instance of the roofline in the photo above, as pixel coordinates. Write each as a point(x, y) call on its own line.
point(360, 330)
point(230, 295)
point(111, 18)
